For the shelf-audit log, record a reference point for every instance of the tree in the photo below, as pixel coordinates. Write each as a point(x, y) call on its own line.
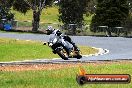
point(36, 5)
point(71, 11)
point(128, 25)
point(111, 13)
point(90, 7)
point(5, 13)
point(130, 6)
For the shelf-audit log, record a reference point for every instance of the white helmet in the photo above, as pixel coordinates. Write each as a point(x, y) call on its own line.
point(49, 30)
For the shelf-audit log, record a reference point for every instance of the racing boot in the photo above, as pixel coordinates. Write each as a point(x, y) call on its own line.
point(75, 47)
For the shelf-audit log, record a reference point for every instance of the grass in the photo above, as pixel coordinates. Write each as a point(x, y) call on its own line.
point(12, 50)
point(49, 15)
point(63, 78)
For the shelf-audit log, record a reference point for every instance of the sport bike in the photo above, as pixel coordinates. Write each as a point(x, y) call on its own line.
point(63, 48)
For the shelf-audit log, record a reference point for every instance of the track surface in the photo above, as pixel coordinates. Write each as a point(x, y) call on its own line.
point(119, 47)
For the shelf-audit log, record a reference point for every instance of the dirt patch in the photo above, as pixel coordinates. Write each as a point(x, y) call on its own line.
point(24, 28)
point(55, 66)
point(34, 67)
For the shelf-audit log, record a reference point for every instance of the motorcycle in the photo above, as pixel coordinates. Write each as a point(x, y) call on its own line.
point(63, 48)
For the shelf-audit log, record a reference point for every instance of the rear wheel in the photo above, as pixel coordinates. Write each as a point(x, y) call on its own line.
point(62, 53)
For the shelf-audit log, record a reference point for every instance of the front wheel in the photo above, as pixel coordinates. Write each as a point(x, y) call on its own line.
point(62, 53)
point(77, 55)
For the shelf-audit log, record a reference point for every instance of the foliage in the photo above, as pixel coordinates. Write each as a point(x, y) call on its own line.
point(5, 10)
point(71, 11)
point(6, 3)
point(25, 5)
point(128, 25)
point(21, 6)
point(111, 13)
point(130, 5)
point(90, 7)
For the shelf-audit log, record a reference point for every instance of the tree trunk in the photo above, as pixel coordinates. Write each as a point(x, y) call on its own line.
point(35, 21)
point(74, 30)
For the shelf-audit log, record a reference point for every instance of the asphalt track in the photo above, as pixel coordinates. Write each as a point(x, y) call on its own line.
point(118, 48)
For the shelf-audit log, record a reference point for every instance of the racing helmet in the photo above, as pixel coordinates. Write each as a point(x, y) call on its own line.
point(49, 30)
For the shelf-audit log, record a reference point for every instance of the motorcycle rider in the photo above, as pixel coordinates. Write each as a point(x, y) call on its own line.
point(57, 32)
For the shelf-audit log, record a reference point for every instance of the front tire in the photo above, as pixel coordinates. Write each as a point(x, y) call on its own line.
point(62, 53)
point(78, 55)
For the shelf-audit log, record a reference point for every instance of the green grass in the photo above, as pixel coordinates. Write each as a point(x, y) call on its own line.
point(49, 15)
point(63, 78)
point(14, 50)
